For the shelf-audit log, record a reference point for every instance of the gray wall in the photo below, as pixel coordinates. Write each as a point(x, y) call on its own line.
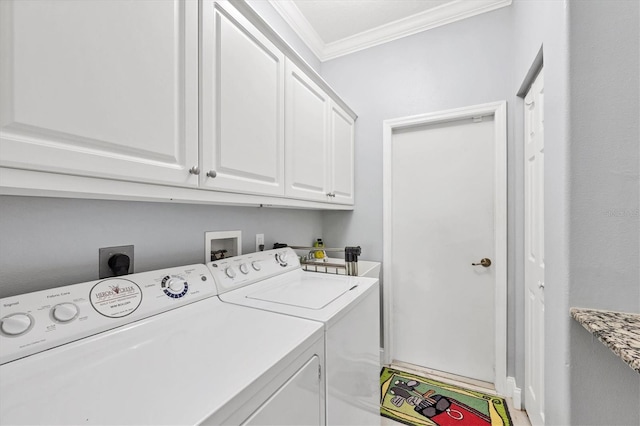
point(48, 242)
point(604, 251)
point(461, 64)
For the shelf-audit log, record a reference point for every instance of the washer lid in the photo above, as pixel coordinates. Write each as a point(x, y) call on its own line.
point(309, 292)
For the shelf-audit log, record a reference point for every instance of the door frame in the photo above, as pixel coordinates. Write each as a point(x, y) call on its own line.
point(499, 111)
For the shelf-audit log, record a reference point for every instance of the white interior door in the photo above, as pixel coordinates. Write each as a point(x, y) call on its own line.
point(534, 250)
point(443, 192)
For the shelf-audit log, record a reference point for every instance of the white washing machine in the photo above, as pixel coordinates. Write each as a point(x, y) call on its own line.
point(155, 348)
point(347, 306)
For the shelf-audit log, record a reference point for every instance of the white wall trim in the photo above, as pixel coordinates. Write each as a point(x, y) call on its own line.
point(499, 112)
point(514, 392)
point(445, 14)
point(296, 20)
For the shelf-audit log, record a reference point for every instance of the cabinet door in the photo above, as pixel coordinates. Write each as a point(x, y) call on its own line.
point(242, 105)
point(342, 155)
point(100, 88)
point(306, 137)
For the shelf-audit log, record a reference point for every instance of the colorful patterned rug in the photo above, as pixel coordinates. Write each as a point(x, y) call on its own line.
point(415, 400)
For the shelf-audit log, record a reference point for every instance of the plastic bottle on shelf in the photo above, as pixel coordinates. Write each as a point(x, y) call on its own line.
point(319, 254)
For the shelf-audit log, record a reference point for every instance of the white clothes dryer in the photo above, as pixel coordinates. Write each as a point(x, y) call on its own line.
point(155, 348)
point(347, 306)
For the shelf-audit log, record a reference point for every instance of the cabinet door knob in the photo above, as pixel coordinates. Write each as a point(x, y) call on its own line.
point(212, 174)
point(195, 170)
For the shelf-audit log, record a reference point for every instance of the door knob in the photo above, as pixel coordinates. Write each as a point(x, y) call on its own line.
point(212, 174)
point(486, 262)
point(195, 170)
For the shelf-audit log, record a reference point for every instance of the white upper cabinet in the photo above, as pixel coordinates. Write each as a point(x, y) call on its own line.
point(319, 141)
point(306, 140)
point(242, 115)
point(188, 100)
point(100, 88)
point(341, 155)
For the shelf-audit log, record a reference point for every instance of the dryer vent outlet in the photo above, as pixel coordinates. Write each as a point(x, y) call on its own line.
point(115, 261)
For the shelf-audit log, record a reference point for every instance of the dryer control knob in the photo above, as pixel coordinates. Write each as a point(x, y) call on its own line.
point(176, 285)
point(230, 272)
point(282, 258)
point(16, 324)
point(256, 265)
point(244, 268)
point(64, 312)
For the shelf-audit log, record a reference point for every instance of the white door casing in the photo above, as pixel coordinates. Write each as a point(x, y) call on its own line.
point(242, 104)
point(100, 89)
point(392, 259)
point(534, 250)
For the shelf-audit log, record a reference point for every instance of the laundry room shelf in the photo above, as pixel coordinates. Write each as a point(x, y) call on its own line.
point(619, 331)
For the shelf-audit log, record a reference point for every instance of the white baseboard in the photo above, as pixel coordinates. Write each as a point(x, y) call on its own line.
point(514, 392)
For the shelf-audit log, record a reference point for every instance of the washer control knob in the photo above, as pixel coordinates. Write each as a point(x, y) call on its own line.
point(64, 312)
point(256, 265)
point(16, 324)
point(244, 268)
point(230, 272)
point(282, 258)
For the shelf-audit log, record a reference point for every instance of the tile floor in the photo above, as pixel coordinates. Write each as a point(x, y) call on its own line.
point(518, 417)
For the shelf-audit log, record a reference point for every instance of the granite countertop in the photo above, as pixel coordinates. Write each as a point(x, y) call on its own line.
point(619, 331)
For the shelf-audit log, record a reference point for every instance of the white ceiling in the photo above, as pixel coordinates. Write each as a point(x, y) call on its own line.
point(333, 28)
point(334, 20)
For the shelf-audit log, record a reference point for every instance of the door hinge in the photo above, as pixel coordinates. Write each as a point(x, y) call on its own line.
point(319, 372)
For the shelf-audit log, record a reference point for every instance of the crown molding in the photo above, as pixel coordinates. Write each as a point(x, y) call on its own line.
point(432, 18)
point(296, 20)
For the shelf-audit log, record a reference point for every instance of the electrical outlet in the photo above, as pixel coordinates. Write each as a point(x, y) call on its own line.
point(259, 241)
point(105, 253)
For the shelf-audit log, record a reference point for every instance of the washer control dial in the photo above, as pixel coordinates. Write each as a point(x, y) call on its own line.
point(256, 265)
point(244, 268)
point(231, 273)
point(282, 258)
point(65, 312)
point(175, 286)
point(16, 324)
